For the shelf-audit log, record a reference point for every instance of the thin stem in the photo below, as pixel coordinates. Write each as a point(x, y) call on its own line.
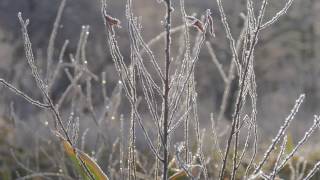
point(22, 94)
point(52, 39)
point(166, 91)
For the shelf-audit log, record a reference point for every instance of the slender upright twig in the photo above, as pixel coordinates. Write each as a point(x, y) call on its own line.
point(50, 50)
point(166, 90)
point(244, 73)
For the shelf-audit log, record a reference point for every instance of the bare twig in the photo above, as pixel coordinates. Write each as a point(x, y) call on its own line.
point(22, 94)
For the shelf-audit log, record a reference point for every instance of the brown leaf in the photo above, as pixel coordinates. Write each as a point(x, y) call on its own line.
point(112, 21)
point(192, 21)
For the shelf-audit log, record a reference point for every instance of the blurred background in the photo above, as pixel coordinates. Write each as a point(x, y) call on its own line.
point(287, 57)
point(286, 61)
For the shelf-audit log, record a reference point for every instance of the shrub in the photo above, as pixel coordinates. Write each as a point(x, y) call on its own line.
point(168, 90)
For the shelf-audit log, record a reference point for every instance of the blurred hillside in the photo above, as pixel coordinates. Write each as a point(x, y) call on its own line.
point(287, 58)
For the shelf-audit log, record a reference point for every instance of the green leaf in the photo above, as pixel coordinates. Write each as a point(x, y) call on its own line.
point(182, 175)
point(79, 158)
